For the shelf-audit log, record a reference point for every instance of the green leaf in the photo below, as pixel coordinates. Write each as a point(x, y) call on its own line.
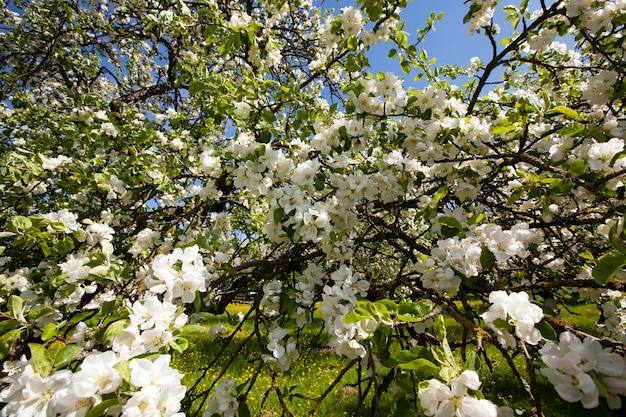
point(404, 356)
point(565, 111)
point(472, 10)
point(450, 226)
point(197, 302)
point(546, 330)
point(351, 64)
point(40, 357)
point(115, 328)
point(411, 312)
point(45, 248)
point(180, 344)
point(419, 364)
point(440, 194)
point(515, 195)
point(16, 307)
point(66, 355)
point(501, 323)
point(487, 258)
point(259, 151)
point(451, 222)
point(268, 116)
point(8, 325)
point(476, 219)
point(198, 86)
point(607, 267)
point(424, 307)
point(616, 240)
point(319, 181)
point(572, 129)
point(386, 305)
point(193, 330)
point(278, 215)
point(448, 373)
point(578, 168)
point(99, 410)
point(64, 246)
point(561, 187)
point(503, 128)
point(49, 331)
point(443, 353)
point(40, 311)
point(471, 363)
point(243, 410)
point(406, 66)
point(7, 340)
point(21, 223)
point(123, 367)
point(356, 315)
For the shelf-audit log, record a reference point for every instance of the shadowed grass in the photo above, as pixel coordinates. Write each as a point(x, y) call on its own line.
point(316, 369)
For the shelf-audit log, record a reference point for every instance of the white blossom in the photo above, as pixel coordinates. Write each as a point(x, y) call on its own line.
point(437, 399)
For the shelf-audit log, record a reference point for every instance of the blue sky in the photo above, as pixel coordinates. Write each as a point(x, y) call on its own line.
point(449, 43)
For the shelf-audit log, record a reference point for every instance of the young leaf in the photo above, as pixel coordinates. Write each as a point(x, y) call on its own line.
point(180, 344)
point(450, 226)
point(572, 129)
point(243, 410)
point(7, 340)
point(419, 364)
point(66, 355)
point(546, 330)
point(578, 168)
point(123, 367)
point(40, 357)
point(99, 410)
point(607, 267)
point(198, 86)
point(565, 111)
point(487, 258)
point(49, 331)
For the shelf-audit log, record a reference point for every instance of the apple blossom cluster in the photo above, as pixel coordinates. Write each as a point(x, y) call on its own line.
point(481, 13)
point(160, 390)
point(339, 299)
point(152, 327)
point(179, 275)
point(68, 219)
point(54, 163)
point(283, 351)
point(308, 282)
point(376, 96)
point(352, 21)
point(515, 310)
point(613, 315)
point(152, 388)
point(271, 298)
point(598, 17)
point(584, 371)
point(456, 257)
point(223, 402)
point(439, 399)
point(145, 241)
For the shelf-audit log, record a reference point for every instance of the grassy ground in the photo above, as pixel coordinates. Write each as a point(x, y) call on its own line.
point(316, 369)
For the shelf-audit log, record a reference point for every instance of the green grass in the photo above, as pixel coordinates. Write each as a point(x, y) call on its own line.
point(308, 377)
point(317, 368)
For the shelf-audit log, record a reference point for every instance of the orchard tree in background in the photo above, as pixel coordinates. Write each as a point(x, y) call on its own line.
point(162, 159)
